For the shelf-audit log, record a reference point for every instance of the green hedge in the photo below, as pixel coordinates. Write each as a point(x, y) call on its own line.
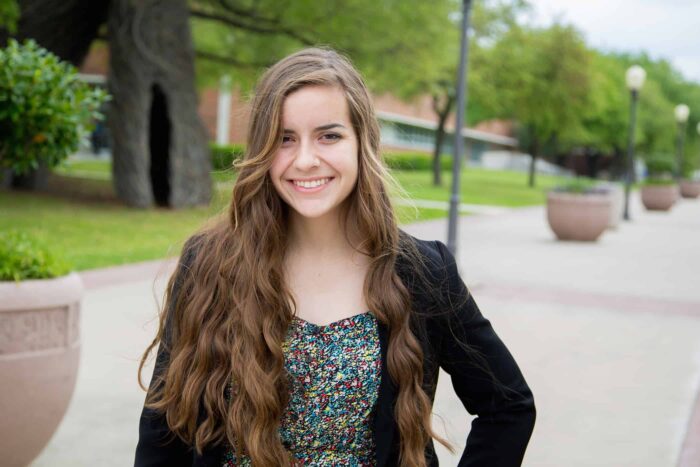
point(23, 257)
point(223, 155)
point(578, 185)
point(415, 161)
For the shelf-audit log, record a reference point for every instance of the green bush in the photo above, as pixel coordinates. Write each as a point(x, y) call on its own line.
point(415, 161)
point(223, 155)
point(580, 185)
point(660, 181)
point(9, 14)
point(23, 257)
point(45, 110)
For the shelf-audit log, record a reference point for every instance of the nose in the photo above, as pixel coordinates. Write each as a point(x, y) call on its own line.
point(306, 157)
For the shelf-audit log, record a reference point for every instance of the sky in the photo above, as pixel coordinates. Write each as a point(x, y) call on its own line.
point(667, 29)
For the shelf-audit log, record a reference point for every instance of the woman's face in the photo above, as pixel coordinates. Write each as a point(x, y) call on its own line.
point(315, 168)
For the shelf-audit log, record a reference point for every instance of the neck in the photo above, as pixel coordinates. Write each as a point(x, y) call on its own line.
point(320, 237)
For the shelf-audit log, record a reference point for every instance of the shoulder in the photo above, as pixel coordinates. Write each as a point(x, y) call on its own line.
point(426, 267)
point(428, 256)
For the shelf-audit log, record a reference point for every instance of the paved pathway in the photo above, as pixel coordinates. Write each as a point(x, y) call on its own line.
point(606, 334)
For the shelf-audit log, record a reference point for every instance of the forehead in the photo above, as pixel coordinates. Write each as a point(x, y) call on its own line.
point(315, 106)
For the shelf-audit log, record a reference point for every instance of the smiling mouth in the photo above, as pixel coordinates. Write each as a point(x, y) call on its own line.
point(312, 183)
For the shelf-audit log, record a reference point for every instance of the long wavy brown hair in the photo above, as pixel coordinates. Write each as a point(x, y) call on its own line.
point(221, 336)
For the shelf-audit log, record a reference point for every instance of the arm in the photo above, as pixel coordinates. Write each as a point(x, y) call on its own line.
point(502, 400)
point(157, 445)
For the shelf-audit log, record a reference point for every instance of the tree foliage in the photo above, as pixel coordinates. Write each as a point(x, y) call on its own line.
point(541, 78)
point(563, 94)
point(395, 43)
point(9, 15)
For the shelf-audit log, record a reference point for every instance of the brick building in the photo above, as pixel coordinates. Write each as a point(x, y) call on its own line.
point(405, 126)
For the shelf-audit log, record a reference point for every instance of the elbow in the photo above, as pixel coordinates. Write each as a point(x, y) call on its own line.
point(526, 413)
point(531, 413)
point(522, 412)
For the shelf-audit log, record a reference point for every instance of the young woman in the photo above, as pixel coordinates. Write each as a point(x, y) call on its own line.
point(306, 328)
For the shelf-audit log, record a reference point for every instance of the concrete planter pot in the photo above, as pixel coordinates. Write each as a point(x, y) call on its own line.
point(690, 188)
point(579, 217)
point(659, 197)
point(39, 356)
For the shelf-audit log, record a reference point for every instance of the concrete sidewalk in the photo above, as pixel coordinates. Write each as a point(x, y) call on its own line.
point(607, 335)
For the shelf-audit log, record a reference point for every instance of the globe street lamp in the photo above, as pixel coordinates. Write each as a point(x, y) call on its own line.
point(681, 112)
point(634, 77)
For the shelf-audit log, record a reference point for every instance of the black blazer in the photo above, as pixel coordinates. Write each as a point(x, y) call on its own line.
point(500, 397)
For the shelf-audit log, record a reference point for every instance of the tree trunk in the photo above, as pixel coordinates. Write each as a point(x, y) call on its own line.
point(534, 154)
point(34, 180)
point(442, 112)
point(159, 150)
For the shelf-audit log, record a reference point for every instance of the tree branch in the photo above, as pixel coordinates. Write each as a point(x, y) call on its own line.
point(251, 13)
point(229, 60)
point(237, 23)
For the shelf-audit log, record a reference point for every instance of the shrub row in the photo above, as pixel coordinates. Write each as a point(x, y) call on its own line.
point(223, 155)
point(415, 161)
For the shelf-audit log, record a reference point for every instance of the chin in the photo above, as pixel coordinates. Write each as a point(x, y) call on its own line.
point(312, 213)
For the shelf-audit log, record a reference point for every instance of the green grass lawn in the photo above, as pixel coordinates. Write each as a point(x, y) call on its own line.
point(99, 234)
point(480, 186)
point(477, 186)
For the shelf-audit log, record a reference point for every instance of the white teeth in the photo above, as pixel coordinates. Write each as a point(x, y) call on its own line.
point(311, 184)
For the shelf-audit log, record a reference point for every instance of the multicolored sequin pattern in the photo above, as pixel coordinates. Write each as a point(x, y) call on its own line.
point(334, 373)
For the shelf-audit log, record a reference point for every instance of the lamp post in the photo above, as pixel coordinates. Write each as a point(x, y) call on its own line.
point(459, 141)
point(634, 77)
point(681, 113)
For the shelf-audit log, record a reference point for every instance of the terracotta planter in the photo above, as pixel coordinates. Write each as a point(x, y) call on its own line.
point(659, 197)
point(580, 217)
point(690, 188)
point(39, 355)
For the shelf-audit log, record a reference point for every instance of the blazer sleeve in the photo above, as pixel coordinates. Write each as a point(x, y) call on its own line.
point(157, 445)
point(485, 377)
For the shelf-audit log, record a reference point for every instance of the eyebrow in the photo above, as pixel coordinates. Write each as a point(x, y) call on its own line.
point(321, 128)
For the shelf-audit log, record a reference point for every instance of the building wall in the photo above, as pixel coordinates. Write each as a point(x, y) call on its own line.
point(97, 60)
point(396, 136)
point(238, 123)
